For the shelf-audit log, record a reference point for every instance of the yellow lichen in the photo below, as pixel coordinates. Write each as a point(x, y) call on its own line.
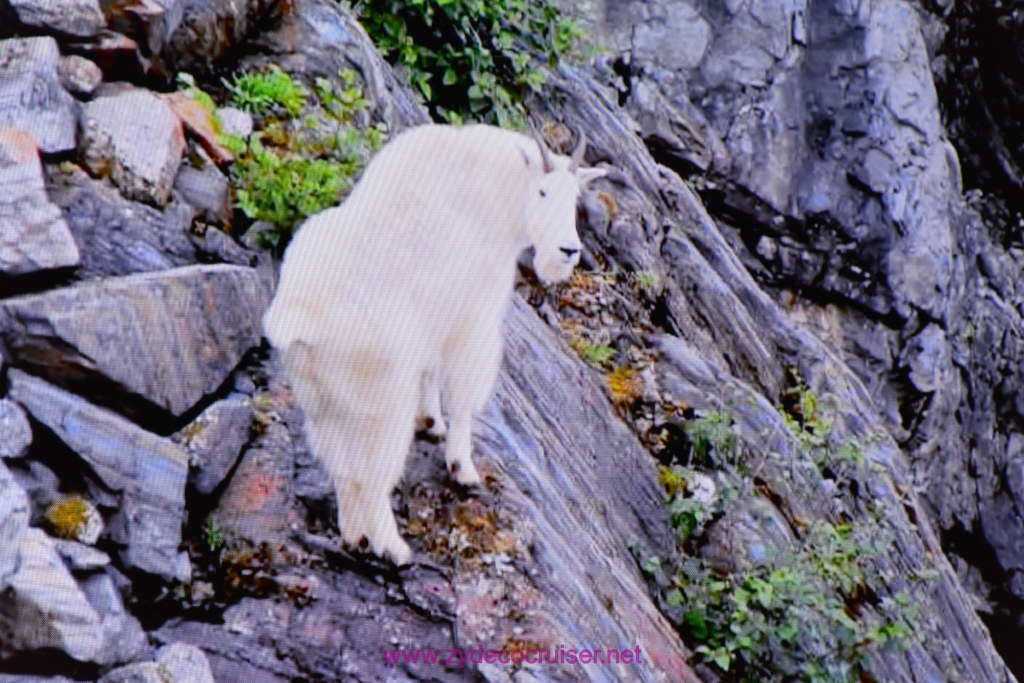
point(624, 385)
point(72, 518)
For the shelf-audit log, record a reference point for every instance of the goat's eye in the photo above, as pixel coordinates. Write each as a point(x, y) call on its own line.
point(542, 193)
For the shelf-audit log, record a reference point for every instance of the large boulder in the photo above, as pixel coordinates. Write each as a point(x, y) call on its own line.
point(170, 337)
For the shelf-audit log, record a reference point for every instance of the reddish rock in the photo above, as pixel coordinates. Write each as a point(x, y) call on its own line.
point(33, 234)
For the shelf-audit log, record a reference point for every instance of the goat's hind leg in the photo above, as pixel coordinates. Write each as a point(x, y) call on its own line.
point(360, 433)
point(376, 451)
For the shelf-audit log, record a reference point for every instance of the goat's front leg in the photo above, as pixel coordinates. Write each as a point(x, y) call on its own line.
point(470, 370)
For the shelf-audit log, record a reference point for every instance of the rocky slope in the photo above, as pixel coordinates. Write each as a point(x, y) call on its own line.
point(784, 245)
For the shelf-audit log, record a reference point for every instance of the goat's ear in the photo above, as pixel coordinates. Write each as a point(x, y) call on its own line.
point(585, 176)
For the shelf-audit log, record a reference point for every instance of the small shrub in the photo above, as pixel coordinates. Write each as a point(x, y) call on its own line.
point(712, 436)
point(812, 611)
point(471, 58)
point(294, 168)
point(284, 190)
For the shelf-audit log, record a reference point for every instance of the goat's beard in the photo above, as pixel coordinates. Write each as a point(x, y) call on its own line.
point(552, 270)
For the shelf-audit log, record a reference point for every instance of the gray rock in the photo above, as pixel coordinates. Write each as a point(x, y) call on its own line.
point(676, 37)
point(178, 333)
point(44, 608)
point(79, 18)
point(141, 672)
point(79, 75)
point(152, 23)
point(33, 234)
point(15, 431)
point(185, 663)
point(149, 471)
point(215, 440)
point(210, 28)
point(927, 356)
point(235, 121)
point(80, 557)
point(14, 516)
point(734, 329)
point(217, 245)
point(124, 639)
point(31, 97)
point(136, 139)
point(208, 190)
point(117, 236)
point(256, 507)
point(41, 485)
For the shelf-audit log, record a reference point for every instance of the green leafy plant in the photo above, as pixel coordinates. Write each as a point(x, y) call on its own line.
point(342, 103)
point(805, 614)
point(268, 92)
point(213, 535)
point(811, 610)
point(284, 190)
point(471, 58)
point(595, 354)
point(712, 436)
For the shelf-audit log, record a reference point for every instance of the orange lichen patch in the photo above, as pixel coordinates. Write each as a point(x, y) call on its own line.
point(611, 204)
point(18, 145)
point(624, 385)
point(199, 122)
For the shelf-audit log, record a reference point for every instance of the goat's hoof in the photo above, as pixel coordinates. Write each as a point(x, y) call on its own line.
point(398, 552)
point(465, 476)
point(429, 428)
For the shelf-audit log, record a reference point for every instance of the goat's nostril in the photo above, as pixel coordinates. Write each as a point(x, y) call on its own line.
point(569, 252)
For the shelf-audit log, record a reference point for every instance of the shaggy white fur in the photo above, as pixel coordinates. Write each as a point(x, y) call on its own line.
point(392, 302)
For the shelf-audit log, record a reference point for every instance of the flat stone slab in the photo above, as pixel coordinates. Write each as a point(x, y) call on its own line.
point(170, 336)
point(31, 96)
point(136, 139)
point(149, 471)
point(33, 233)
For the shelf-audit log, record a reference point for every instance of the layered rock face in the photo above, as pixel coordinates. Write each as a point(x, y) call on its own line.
point(784, 216)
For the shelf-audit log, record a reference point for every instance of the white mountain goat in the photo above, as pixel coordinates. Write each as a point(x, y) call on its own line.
point(392, 302)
